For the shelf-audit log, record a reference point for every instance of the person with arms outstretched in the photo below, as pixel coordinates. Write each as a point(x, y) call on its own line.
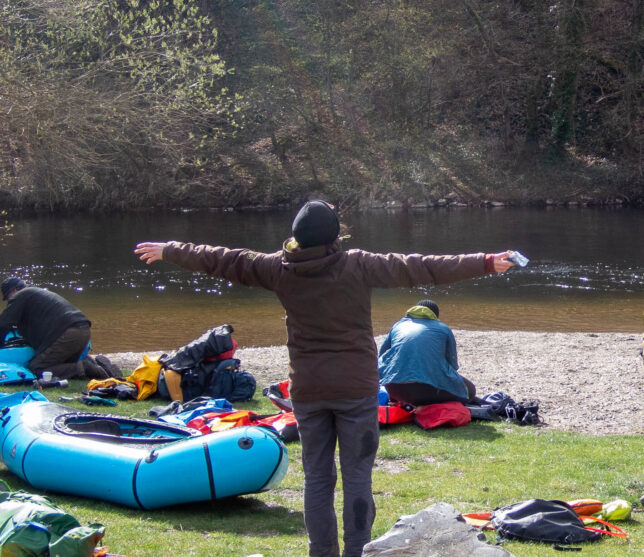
point(333, 375)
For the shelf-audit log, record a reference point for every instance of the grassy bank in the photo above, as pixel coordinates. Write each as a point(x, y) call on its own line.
point(474, 468)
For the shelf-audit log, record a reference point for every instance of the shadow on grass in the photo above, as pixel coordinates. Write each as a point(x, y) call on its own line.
point(474, 431)
point(238, 515)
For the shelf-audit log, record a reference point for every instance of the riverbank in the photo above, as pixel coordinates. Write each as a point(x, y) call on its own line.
point(570, 200)
point(584, 382)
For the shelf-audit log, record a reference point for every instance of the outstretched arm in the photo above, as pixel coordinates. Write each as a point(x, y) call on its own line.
point(150, 251)
point(392, 269)
point(236, 265)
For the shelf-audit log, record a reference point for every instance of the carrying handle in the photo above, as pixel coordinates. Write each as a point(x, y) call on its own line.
point(618, 533)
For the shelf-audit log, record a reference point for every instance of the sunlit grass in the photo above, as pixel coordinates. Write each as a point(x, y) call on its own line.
point(474, 468)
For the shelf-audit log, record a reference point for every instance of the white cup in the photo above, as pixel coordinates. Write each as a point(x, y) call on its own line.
point(47, 375)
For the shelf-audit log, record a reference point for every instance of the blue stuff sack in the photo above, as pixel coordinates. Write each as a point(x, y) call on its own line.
point(383, 396)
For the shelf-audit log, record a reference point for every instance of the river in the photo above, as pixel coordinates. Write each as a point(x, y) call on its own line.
point(586, 271)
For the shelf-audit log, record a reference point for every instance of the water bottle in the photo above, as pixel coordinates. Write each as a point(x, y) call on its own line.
point(518, 258)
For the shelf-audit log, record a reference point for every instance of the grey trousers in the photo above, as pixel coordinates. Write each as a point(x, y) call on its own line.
point(353, 424)
point(61, 358)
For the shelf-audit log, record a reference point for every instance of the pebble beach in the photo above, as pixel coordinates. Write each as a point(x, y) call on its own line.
point(584, 382)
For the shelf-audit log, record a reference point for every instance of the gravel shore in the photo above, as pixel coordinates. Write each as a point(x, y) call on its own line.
point(584, 382)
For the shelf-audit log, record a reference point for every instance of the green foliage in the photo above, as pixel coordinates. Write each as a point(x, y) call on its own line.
point(166, 49)
point(6, 227)
point(368, 97)
point(130, 88)
point(565, 74)
point(128, 103)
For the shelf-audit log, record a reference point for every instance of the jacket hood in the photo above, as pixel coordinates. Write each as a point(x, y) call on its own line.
point(421, 312)
point(309, 261)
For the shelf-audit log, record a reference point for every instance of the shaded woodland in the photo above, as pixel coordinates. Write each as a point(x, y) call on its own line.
point(126, 104)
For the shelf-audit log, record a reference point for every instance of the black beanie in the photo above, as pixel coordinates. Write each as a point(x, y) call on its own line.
point(316, 224)
point(430, 304)
point(11, 283)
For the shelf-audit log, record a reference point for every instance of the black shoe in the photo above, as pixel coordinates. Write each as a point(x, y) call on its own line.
point(93, 370)
point(107, 365)
point(174, 407)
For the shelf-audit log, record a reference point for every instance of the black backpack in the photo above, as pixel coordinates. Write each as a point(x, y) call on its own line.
point(544, 521)
point(204, 373)
point(218, 380)
point(499, 405)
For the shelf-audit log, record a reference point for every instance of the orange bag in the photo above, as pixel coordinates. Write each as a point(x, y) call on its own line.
point(586, 506)
point(479, 520)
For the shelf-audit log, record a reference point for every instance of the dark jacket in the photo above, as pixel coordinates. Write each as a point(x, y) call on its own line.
point(41, 317)
point(326, 293)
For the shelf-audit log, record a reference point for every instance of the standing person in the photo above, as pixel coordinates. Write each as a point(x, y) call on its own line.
point(326, 293)
point(56, 329)
point(417, 360)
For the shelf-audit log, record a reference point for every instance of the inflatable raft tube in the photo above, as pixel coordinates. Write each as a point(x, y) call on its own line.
point(14, 357)
point(20, 355)
point(15, 350)
point(139, 463)
point(11, 373)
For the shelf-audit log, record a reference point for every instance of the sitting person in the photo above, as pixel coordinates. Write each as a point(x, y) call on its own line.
point(417, 360)
point(56, 329)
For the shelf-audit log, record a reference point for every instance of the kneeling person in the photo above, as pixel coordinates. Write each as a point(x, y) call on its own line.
point(417, 361)
point(56, 329)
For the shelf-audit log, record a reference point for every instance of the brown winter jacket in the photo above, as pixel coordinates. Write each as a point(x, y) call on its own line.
point(326, 293)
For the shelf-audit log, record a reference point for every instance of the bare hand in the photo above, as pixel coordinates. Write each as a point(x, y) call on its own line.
point(150, 251)
point(501, 263)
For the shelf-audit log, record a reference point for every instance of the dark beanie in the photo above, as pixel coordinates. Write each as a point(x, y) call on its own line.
point(430, 304)
point(10, 284)
point(316, 224)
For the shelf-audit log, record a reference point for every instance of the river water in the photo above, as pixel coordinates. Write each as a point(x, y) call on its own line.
point(586, 271)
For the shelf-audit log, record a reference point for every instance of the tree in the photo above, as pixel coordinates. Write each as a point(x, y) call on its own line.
point(565, 75)
point(117, 99)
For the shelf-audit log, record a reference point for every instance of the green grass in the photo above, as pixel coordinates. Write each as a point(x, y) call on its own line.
point(474, 468)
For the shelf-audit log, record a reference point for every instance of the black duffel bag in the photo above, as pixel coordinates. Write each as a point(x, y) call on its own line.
point(540, 520)
point(209, 345)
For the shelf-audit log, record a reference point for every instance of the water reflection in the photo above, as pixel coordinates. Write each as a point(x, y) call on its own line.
point(585, 274)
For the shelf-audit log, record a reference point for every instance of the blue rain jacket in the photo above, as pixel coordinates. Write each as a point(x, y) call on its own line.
point(423, 350)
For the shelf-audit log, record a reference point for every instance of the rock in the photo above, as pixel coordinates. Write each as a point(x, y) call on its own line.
point(435, 531)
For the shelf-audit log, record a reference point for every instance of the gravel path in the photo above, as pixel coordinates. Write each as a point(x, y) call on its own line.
point(584, 382)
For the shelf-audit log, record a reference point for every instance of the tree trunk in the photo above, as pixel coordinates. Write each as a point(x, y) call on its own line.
point(566, 75)
point(633, 85)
